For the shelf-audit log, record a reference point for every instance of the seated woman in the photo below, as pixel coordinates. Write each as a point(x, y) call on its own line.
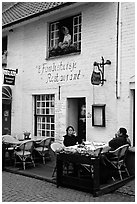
point(70, 139)
point(67, 38)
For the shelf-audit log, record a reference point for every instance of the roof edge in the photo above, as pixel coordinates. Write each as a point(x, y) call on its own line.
point(36, 15)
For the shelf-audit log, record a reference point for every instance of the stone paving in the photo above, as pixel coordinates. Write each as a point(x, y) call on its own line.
point(18, 188)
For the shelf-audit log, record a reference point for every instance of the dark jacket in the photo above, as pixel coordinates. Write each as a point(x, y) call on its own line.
point(70, 140)
point(117, 142)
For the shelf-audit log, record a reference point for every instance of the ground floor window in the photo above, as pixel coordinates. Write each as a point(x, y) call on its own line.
point(45, 115)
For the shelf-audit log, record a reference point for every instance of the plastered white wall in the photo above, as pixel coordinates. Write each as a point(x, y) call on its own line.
point(28, 51)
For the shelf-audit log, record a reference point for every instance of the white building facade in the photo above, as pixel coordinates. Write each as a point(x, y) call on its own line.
point(53, 88)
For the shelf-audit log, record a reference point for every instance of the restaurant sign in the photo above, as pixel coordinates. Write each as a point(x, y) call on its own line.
point(59, 72)
point(9, 76)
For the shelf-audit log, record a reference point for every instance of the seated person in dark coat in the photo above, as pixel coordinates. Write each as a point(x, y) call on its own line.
point(70, 139)
point(107, 170)
point(121, 138)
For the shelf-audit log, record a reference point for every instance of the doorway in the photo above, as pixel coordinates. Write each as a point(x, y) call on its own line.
point(77, 116)
point(6, 119)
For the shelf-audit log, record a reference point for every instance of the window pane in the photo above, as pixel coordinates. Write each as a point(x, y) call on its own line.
point(75, 20)
point(38, 98)
point(52, 119)
point(80, 37)
point(48, 126)
point(43, 104)
point(43, 97)
point(80, 29)
point(43, 111)
point(47, 111)
point(43, 126)
point(80, 19)
point(38, 104)
point(52, 126)
point(47, 104)
point(38, 111)
point(47, 97)
point(52, 133)
point(56, 41)
point(52, 36)
point(51, 27)
point(75, 29)
point(48, 119)
point(52, 111)
point(56, 26)
point(43, 119)
point(48, 133)
point(56, 34)
point(75, 38)
point(38, 133)
point(39, 126)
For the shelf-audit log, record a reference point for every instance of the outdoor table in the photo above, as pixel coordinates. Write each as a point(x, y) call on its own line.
point(92, 183)
point(9, 140)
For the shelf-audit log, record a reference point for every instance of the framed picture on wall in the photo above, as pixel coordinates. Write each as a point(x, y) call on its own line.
point(98, 115)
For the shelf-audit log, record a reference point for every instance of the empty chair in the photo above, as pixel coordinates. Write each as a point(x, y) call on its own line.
point(117, 159)
point(89, 168)
point(55, 148)
point(43, 146)
point(10, 143)
point(24, 153)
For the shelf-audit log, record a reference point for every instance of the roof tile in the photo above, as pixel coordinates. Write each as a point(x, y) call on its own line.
point(21, 10)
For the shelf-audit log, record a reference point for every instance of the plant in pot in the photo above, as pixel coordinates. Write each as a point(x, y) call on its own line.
point(26, 135)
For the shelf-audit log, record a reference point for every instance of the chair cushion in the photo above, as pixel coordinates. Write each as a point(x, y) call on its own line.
point(10, 148)
point(40, 149)
point(20, 153)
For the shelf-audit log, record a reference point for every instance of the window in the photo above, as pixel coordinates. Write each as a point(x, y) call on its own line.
point(98, 115)
point(65, 36)
point(45, 115)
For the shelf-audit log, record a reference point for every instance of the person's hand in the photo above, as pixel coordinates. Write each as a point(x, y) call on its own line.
point(116, 135)
point(74, 133)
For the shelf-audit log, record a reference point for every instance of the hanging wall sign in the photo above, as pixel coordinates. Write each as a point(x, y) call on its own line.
point(9, 76)
point(95, 78)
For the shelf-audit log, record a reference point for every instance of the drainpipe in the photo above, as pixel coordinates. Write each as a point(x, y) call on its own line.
point(118, 54)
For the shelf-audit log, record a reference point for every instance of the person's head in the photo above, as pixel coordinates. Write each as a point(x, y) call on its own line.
point(65, 30)
point(122, 132)
point(70, 130)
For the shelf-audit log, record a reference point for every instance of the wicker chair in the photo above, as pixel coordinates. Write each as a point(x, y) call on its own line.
point(24, 153)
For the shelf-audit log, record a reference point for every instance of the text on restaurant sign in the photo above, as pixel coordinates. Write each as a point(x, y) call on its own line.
point(59, 72)
point(9, 76)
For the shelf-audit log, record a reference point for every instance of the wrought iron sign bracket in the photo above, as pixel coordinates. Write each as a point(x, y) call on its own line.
point(100, 67)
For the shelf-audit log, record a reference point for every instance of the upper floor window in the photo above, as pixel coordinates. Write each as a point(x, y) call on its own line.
point(65, 36)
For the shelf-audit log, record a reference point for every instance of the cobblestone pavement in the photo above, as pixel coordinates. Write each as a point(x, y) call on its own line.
point(18, 188)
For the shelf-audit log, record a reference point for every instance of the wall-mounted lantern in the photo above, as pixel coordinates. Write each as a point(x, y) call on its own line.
point(97, 77)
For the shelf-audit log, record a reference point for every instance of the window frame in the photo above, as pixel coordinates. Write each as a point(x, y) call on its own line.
point(102, 122)
point(44, 116)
